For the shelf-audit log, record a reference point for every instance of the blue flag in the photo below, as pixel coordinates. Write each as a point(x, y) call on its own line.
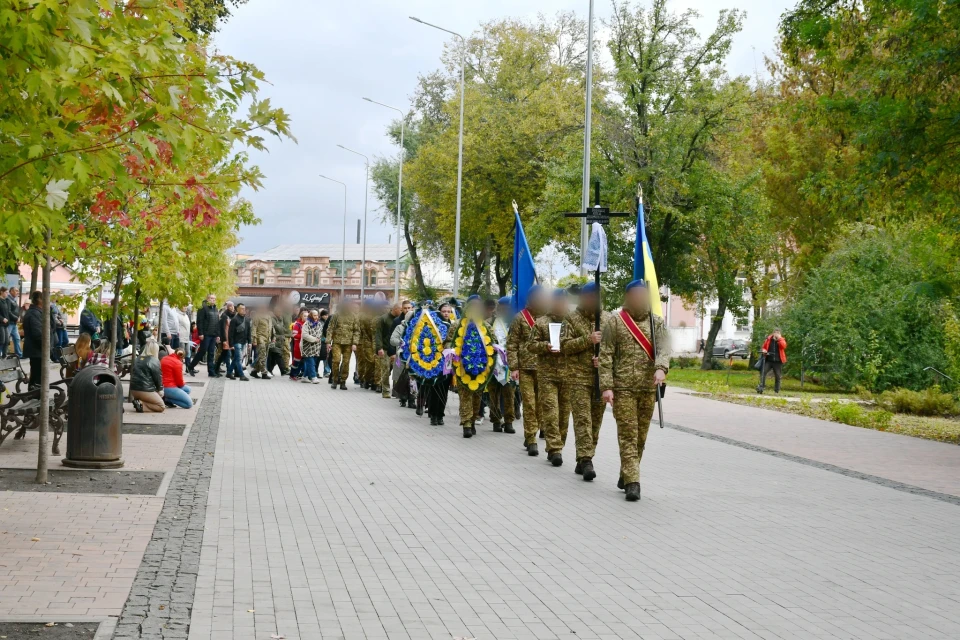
point(524, 272)
point(643, 268)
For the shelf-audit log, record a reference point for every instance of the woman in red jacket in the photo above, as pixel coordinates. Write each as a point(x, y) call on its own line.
point(774, 354)
point(297, 369)
point(175, 392)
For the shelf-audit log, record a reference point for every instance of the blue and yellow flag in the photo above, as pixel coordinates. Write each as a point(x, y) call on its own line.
point(524, 271)
point(643, 268)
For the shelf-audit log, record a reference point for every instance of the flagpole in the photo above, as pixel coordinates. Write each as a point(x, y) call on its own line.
point(653, 328)
point(588, 117)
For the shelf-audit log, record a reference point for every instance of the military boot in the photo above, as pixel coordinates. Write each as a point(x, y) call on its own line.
point(433, 421)
point(579, 468)
point(473, 428)
point(587, 467)
point(467, 431)
point(403, 402)
point(532, 449)
point(557, 459)
point(508, 428)
point(343, 386)
point(497, 428)
point(633, 492)
point(620, 482)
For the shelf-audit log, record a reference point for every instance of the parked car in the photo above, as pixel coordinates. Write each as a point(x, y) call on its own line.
point(731, 349)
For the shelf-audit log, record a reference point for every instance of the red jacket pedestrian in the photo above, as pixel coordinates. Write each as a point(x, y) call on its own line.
point(171, 368)
point(781, 343)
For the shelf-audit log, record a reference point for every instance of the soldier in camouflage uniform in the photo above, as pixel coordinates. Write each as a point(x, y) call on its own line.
point(262, 331)
point(578, 340)
point(469, 400)
point(552, 389)
point(365, 346)
point(282, 334)
point(345, 330)
point(629, 376)
point(502, 406)
point(385, 352)
point(523, 365)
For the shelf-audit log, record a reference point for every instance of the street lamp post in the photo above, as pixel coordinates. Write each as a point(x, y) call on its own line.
point(403, 120)
point(366, 192)
point(585, 202)
point(343, 247)
point(463, 64)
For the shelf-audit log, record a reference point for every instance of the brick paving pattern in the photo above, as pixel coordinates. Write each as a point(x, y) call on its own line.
point(161, 597)
point(339, 515)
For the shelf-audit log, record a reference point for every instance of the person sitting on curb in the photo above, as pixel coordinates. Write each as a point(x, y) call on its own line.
point(175, 392)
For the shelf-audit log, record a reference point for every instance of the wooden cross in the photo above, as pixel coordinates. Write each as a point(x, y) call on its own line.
point(601, 215)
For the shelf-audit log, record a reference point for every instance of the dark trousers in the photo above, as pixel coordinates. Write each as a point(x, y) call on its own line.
point(777, 369)
point(436, 396)
point(36, 364)
point(207, 346)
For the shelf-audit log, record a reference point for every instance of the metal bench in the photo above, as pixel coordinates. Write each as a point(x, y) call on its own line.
point(21, 409)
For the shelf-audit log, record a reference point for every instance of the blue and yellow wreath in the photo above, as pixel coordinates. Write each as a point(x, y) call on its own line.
point(475, 350)
point(426, 345)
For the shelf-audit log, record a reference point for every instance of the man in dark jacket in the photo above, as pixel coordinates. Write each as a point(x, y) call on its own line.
point(89, 322)
point(223, 334)
point(33, 336)
point(13, 315)
point(238, 337)
point(208, 326)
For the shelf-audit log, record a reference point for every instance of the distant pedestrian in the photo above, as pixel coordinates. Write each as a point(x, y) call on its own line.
point(774, 355)
point(175, 391)
point(89, 322)
point(324, 344)
point(311, 336)
point(223, 331)
point(238, 337)
point(146, 380)
point(296, 368)
point(13, 315)
point(208, 325)
point(60, 322)
point(33, 337)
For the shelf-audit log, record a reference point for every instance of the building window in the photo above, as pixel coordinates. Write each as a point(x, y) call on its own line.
point(258, 277)
point(371, 278)
point(743, 323)
point(313, 277)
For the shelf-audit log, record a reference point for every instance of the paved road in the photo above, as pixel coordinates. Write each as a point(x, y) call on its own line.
point(338, 515)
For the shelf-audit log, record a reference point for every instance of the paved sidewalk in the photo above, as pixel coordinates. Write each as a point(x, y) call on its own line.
point(931, 465)
point(339, 515)
point(73, 557)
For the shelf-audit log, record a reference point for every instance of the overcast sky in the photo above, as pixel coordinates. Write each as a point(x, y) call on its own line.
point(322, 56)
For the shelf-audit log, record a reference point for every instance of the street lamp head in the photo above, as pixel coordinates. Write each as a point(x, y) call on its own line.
point(416, 19)
point(368, 99)
point(342, 147)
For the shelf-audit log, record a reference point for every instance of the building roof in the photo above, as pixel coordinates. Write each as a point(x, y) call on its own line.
point(375, 252)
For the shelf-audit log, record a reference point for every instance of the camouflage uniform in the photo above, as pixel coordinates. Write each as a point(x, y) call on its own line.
point(262, 337)
point(469, 400)
point(520, 358)
point(626, 369)
point(381, 341)
point(366, 356)
point(501, 394)
point(345, 330)
point(282, 333)
point(580, 376)
point(552, 390)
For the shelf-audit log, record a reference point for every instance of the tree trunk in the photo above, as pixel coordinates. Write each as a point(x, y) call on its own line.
point(414, 260)
point(43, 426)
point(34, 272)
point(136, 334)
point(503, 278)
point(114, 336)
point(479, 260)
point(486, 269)
point(715, 323)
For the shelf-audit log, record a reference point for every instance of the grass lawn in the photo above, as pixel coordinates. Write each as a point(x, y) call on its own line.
point(746, 382)
point(738, 384)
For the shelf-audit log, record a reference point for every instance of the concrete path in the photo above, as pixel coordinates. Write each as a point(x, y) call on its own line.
point(927, 464)
point(337, 514)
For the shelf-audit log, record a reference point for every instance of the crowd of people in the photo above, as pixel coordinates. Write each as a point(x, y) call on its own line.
point(545, 364)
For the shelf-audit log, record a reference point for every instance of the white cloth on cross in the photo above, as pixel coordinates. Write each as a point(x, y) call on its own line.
point(596, 250)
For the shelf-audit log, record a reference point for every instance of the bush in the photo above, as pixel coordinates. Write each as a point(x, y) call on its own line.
point(853, 414)
point(865, 316)
point(740, 365)
point(717, 365)
point(929, 402)
point(684, 363)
